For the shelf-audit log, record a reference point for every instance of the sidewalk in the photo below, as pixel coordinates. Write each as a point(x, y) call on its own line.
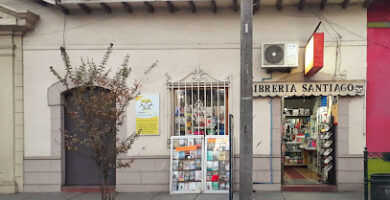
point(166, 196)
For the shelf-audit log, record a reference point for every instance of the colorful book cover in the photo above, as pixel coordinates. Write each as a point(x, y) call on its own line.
point(182, 154)
point(221, 155)
point(180, 167)
point(192, 164)
point(199, 153)
point(193, 154)
point(186, 186)
point(181, 176)
point(215, 185)
point(181, 187)
point(190, 142)
point(175, 165)
point(182, 142)
point(186, 165)
point(175, 176)
point(192, 175)
point(209, 165)
point(215, 166)
point(175, 154)
point(222, 186)
point(209, 185)
point(198, 175)
point(209, 175)
point(198, 164)
point(174, 185)
point(210, 155)
point(192, 186)
point(186, 176)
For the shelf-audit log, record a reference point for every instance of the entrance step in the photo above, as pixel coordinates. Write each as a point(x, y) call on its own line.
point(84, 189)
point(309, 188)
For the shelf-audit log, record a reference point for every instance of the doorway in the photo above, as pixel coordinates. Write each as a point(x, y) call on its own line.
point(308, 140)
point(80, 167)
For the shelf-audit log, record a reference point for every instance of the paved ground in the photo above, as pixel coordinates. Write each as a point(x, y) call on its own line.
point(166, 196)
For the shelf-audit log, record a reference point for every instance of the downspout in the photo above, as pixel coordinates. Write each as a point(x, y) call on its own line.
point(271, 145)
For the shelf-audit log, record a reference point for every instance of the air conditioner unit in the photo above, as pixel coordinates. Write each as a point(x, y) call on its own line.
point(279, 55)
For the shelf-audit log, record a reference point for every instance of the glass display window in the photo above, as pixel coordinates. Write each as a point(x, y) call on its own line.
point(200, 109)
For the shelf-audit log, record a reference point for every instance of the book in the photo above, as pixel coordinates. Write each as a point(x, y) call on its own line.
point(181, 155)
point(210, 155)
point(181, 187)
point(192, 164)
point(180, 167)
point(215, 185)
point(190, 142)
point(186, 165)
point(198, 142)
point(174, 186)
point(215, 166)
point(193, 154)
point(192, 176)
point(192, 186)
point(221, 155)
point(187, 186)
point(175, 143)
point(175, 176)
point(199, 151)
point(175, 165)
point(175, 154)
point(198, 164)
point(198, 175)
point(181, 176)
point(222, 186)
point(182, 142)
point(209, 185)
point(209, 175)
point(209, 165)
point(186, 176)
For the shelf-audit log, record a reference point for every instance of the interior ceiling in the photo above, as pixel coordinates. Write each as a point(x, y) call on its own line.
point(300, 102)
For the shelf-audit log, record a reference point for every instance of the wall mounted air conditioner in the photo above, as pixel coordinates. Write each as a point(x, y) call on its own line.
point(279, 55)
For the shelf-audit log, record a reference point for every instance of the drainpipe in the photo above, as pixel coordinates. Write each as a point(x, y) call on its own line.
point(271, 145)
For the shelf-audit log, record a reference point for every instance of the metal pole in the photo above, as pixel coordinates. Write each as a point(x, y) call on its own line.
point(246, 102)
point(365, 174)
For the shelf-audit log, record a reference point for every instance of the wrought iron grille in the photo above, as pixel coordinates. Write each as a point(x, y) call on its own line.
point(198, 105)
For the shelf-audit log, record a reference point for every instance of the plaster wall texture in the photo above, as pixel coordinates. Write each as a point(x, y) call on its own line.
point(181, 42)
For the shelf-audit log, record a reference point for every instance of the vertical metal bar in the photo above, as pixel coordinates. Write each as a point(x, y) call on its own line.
point(218, 112)
point(212, 109)
point(198, 109)
point(178, 102)
point(365, 174)
point(246, 101)
point(192, 108)
point(205, 108)
point(224, 109)
point(185, 108)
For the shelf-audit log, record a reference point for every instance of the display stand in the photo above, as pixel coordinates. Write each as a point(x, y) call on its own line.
point(186, 169)
point(217, 164)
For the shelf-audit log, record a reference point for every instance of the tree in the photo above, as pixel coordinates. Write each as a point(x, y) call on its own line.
point(99, 105)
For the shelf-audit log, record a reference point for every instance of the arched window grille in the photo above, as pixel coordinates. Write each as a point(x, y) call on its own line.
point(198, 105)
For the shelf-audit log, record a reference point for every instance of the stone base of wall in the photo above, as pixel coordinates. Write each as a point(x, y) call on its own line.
point(7, 188)
point(152, 174)
point(42, 175)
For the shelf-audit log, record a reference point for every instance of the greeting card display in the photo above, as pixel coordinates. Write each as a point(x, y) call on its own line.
point(186, 164)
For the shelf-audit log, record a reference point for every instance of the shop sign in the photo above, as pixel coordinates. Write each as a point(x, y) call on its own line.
point(320, 88)
point(314, 54)
point(147, 114)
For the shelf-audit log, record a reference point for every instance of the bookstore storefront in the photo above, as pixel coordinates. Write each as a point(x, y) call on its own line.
point(309, 128)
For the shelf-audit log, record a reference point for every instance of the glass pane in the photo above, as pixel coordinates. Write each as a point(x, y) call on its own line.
point(179, 113)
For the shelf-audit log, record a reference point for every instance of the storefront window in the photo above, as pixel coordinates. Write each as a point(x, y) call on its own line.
point(200, 110)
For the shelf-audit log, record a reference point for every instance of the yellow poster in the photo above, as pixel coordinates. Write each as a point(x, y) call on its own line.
point(147, 114)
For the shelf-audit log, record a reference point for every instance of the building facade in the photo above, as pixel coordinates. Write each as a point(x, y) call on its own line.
point(195, 43)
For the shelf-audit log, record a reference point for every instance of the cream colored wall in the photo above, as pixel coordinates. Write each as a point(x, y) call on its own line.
point(181, 42)
point(6, 115)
